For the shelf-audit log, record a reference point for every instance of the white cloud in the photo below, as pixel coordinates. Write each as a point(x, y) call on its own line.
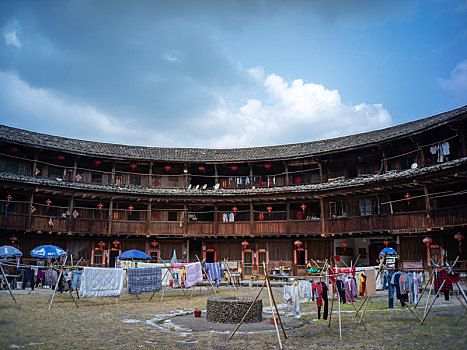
point(457, 83)
point(44, 110)
point(291, 112)
point(12, 39)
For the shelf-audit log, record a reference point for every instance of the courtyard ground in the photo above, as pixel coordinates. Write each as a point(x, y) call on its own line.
point(129, 323)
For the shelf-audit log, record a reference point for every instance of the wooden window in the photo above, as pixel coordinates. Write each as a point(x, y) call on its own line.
point(344, 252)
point(12, 167)
point(55, 172)
point(365, 207)
point(135, 216)
point(135, 180)
point(173, 216)
point(338, 209)
point(362, 252)
point(96, 178)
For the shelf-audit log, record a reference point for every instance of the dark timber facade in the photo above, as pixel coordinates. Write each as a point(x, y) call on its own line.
point(398, 184)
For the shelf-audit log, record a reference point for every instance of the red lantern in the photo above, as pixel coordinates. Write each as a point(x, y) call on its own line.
point(298, 180)
point(61, 157)
point(167, 168)
point(407, 197)
point(13, 239)
point(267, 166)
point(155, 216)
point(234, 167)
point(386, 242)
point(116, 243)
point(9, 198)
point(101, 245)
point(201, 168)
point(303, 206)
point(299, 215)
point(14, 149)
point(269, 209)
point(245, 244)
point(98, 162)
point(100, 206)
point(459, 236)
point(133, 166)
point(48, 202)
point(156, 183)
point(344, 244)
point(154, 244)
point(130, 208)
point(235, 210)
point(297, 243)
point(427, 241)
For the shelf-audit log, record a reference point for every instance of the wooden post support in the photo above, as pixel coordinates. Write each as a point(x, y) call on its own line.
point(431, 305)
point(8, 285)
point(212, 286)
point(266, 273)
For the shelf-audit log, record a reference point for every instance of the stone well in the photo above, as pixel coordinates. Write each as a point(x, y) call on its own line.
point(232, 310)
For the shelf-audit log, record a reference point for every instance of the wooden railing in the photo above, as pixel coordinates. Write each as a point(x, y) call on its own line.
point(14, 221)
point(397, 223)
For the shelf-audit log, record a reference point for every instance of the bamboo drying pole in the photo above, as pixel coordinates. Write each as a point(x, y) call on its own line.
point(8, 285)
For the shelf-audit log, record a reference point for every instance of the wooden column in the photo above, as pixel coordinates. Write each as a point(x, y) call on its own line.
point(150, 175)
point(422, 157)
point(111, 209)
point(34, 165)
point(252, 219)
point(322, 218)
point(70, 218)
point(216, 174)
point(75, 167)
point(112, 177)
point(251, 174)
point(461, 133)
point(287, 213)
point(216, 223)
point(31, 200)
point(148, 218)
point(321, 173)
point(286, 169)
point(185, 219)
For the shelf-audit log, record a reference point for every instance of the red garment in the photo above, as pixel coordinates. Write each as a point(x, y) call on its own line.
point(319, 289)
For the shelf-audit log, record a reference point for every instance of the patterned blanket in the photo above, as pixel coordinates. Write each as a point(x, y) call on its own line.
point(101, 282)
point(194, 274)
point(148, 279)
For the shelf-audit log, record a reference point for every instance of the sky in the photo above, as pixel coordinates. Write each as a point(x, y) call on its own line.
point(224, 74)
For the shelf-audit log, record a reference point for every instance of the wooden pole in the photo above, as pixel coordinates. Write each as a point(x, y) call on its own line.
point(173, 276)
point(273, 313)
point(423, 291)
point(230, 275)
point(58, 281)
point(273, 300)
point(8, 285)
point(426, 314)
point(212, 286)
point(429, 294)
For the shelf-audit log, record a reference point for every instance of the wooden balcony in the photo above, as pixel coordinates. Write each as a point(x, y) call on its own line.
point(408, 222)
point(14, 221)
point(98, 226)
point(402, 222)
point(49, 224)
point(165, 228)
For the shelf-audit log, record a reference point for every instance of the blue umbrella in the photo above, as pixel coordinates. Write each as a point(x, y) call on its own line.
point(388, 251)
point(7, 251)
point(134, 254)
point(48, 251)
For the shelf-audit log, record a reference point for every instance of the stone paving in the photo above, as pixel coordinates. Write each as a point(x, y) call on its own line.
point(130, 323)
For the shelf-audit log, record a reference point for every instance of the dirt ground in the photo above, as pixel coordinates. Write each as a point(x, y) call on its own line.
point(129, 323)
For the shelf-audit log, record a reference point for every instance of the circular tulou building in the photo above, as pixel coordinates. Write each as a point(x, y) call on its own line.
point(337, 199)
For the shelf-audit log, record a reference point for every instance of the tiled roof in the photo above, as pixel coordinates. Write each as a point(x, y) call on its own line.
point(311, 188)
point(290, 151)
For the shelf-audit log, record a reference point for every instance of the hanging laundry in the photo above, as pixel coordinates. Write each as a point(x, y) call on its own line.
point(231, 217)
point(214, 272)
point(101, 282)
point(193, 274)
point(370, 281)
point(147, 279)
point(322, 289)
